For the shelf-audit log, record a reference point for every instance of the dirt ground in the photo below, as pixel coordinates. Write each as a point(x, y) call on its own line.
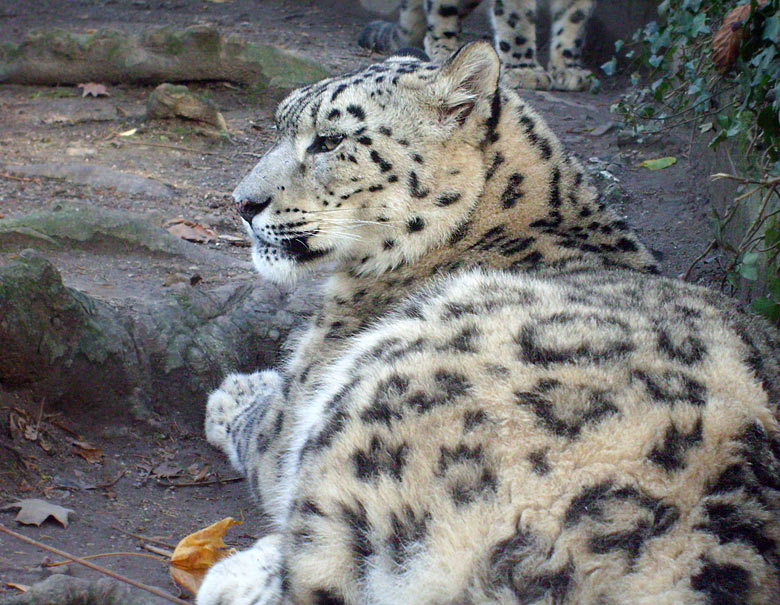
point(161, 479)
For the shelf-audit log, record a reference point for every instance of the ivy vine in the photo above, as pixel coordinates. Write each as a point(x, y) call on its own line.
point(676, 84)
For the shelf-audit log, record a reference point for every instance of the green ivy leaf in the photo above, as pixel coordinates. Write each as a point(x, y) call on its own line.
point(748, 269)
point(659, 163)
point(767, 308)
point(774, 288)
point(610, 66)
point(772, 28)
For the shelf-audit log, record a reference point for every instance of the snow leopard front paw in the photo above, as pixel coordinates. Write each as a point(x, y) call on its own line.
point(250, 577)
point(237, 395)
point(528, 78)
point(571, 78)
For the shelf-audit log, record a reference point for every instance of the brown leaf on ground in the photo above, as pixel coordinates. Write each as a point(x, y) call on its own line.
point(21, 425)
point(189, 230)
point(166, 470)
point(34, 512)
point(19, 587)
point(197, 473)
point(17, 425)
point(94, 89)
point(90, 453)
point(198, 552)
point(728, 39)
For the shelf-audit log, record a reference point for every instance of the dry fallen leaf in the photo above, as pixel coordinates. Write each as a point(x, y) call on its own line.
point(89, 452)
point(192, 232)
point(17, 425)
point(34, 512)
point(166, 470)
point(128, 133)
point(19, 587)
point(198, 552)
point(728, 39)
point(94, 89)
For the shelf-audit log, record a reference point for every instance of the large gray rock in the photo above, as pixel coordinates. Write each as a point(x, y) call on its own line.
point(95, 175)
point(83, 354)
point(77, 223)
point(177, 101)
point(160, 54)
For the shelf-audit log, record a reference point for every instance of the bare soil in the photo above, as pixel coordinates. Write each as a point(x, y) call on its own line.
point(137, 485)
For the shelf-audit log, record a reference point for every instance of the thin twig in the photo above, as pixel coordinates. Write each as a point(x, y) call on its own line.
point(144, 538)
point(108, 554)
point(699, 258)
point(158, 551)
point(113, 482)
point(103, 570)
point(176, 147)
point(198, 483)
point(17, 178)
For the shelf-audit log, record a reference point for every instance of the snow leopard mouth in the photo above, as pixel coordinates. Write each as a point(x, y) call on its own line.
point(297, 248)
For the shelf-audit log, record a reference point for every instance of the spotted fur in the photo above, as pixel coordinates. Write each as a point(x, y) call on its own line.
point(500, 401)
point(436, 25)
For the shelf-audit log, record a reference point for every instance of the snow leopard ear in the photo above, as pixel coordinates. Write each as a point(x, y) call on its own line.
point(467, 82)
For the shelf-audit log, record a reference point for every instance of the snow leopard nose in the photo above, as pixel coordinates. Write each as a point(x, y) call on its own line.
point(248, 208)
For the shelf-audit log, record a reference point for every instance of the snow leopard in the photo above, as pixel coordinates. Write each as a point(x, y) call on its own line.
point(436, 25)
point(500, 400)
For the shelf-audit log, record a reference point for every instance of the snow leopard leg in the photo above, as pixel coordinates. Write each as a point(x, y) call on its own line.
point(249, 577)
point(569, 19)
point(245, 419)
point(514, 27)
point(384, 37)
point(443, 30)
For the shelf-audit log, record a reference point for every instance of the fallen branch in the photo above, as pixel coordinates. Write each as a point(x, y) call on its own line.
point(158, 551)
point(198, 483)
point(108, 554)
point(112, 483)
point(144, 538)
point(25, 179)
point(698, 259)
point(164, 146)
point(103, 570)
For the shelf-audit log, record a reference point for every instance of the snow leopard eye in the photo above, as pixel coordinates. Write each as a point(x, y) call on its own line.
point(325, 143)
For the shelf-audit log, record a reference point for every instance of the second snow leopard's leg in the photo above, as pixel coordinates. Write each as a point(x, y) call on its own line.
point(514, 31)
point(385, 37)
point(569, 19)
point(443, 32)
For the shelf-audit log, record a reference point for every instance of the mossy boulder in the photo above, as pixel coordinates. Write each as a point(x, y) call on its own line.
point(160, 54)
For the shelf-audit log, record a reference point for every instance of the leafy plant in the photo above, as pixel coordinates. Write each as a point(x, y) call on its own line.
point(738, 104)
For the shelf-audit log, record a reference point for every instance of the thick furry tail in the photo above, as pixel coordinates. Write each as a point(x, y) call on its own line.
point(381, 37)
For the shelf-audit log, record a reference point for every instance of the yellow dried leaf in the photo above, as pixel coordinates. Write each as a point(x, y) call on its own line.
point(198, 552)
point(128, 133)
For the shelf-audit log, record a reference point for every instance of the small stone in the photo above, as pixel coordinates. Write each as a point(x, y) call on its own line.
point(80, 152)
point(177, 101)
